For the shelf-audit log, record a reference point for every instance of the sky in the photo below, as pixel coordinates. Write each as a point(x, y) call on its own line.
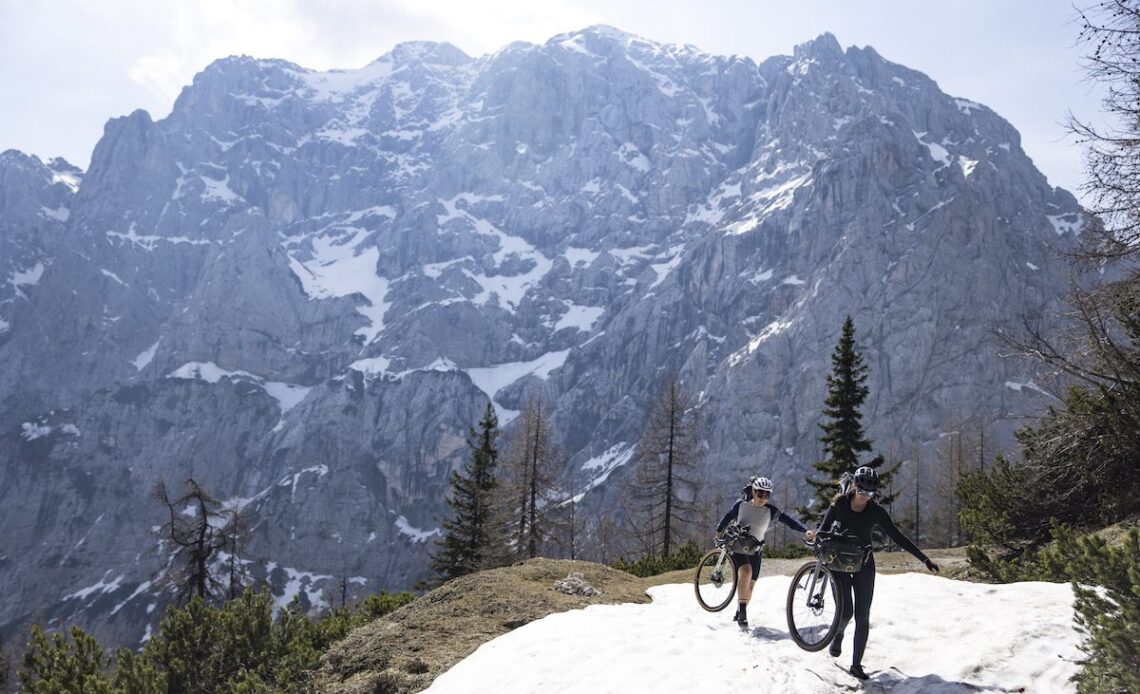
point(928, 634)
point(68, 66)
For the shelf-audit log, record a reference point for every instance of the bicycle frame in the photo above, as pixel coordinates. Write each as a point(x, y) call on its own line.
point(813, 618)
point(718, 572)
point(813, 597)
point(724, 555)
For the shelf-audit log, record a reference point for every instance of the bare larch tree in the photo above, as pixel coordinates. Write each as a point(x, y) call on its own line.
point(664, 486)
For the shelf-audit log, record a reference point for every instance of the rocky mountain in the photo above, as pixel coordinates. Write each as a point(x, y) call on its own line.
point(301, 288)
point(35, 200)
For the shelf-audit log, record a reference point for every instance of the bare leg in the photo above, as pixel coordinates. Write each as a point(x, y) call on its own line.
point(744, 583)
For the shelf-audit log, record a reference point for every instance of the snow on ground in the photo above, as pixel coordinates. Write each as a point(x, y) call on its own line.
point(297, 582)
point(26, 278)
point(774, 328)
point(146, 356)
point(416, 534)
point(510, 289)
point(1066, 223)
point(492, 379)
point(600, 467)
point(287, 395)
point(1018, 387)
point(928, 634)
point(582, 318)
point(339, 268)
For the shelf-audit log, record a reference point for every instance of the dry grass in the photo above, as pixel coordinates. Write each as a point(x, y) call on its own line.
point(1115, 534)
point(406, 650)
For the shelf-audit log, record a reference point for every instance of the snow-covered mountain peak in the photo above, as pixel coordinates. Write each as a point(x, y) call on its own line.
point(429, 53)
point(602, 41)
point(824, 47)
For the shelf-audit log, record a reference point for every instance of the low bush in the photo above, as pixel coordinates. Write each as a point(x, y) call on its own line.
point(686, 557)
point(239, 647)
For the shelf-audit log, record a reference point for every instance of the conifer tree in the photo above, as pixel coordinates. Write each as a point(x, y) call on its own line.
point(468, 536)
point(209, 530)
point(58, 664)
point(843, 438)
point(664, 484)
point(1109, 615)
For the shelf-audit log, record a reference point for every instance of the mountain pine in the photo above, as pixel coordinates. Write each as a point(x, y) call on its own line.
point(468, 535)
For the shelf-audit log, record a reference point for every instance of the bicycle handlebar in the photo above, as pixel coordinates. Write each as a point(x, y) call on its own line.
point(733, 531)
point(831, 535)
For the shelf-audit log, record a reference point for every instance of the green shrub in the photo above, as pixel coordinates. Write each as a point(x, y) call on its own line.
point(1110, 615)
point(686, 557)
point(1106, 583)
point(236, 648)
point(58, 665)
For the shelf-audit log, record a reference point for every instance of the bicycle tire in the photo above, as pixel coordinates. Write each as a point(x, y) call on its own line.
point(813, 619)
point(714, 593)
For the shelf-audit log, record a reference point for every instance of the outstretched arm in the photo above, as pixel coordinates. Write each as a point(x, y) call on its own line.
point(903, 541)
point(786, 519)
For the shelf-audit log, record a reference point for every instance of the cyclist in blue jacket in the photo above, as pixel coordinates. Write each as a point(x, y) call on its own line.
point(754, 511)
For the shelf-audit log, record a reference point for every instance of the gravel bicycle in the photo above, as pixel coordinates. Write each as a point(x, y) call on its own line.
point(814, 607)
point(715, 579)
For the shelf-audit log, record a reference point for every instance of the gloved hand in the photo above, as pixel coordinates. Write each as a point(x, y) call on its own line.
point(931, 566)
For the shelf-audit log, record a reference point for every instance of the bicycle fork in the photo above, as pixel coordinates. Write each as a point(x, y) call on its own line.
point(814, 599)
point(718, 571)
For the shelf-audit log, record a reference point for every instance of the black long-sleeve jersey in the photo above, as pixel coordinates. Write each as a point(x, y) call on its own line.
point(862, 524)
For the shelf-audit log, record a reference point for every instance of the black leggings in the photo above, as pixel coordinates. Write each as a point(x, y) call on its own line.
point(863, 585)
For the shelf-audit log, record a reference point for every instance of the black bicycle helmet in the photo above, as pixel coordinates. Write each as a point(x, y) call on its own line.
point(867, 478)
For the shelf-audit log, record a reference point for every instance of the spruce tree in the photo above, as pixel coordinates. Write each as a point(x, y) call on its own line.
point(468, 535)
point(843, 438)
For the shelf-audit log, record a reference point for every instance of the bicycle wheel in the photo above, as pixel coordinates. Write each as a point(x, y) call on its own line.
point(813, 607)
point(715, 580)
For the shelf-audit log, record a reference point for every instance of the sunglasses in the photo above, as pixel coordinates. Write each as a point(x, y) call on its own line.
point(762, 493)
point(864, 492)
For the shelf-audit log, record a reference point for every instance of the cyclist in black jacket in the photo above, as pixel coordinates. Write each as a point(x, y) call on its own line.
point(754, 511)
point(856, 513)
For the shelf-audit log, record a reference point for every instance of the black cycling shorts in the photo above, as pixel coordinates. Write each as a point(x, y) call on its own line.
point(752, 560)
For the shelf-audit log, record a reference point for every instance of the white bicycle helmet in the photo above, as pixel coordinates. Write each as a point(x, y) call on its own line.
point(761, 484)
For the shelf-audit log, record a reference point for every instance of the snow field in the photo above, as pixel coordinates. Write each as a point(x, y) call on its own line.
point(928, 634)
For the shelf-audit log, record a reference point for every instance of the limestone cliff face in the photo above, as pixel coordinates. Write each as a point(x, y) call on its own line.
point(300, 288)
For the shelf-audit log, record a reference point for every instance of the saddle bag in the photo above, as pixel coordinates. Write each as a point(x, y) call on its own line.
point(842, 555)
point(746, 544)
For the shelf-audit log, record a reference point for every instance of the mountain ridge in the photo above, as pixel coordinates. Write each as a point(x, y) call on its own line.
point(302, 287)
